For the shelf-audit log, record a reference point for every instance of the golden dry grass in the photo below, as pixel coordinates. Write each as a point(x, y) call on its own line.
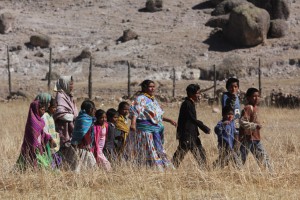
point(280, 137)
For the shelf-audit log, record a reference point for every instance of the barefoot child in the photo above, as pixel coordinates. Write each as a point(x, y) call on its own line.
point(227, 135)
point(250, 130)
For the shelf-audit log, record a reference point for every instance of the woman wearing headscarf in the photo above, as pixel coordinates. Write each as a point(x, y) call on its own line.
point(33, 152)
point(49, 128)
point(66, 110)
point(146, 121)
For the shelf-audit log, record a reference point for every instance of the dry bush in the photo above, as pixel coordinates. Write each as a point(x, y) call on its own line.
point(280, 137)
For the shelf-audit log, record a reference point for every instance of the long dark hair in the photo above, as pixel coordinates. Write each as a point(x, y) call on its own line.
point(144, 85)
point(87, 105)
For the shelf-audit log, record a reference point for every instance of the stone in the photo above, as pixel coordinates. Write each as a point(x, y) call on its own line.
point(247, 25)
point(215, 2)
point(226, 6)
point(278, 9)
point(278, 28)
point(6, 23)
point(218, 21)
point(42, 41)
point(154, 5)
point(129, 35)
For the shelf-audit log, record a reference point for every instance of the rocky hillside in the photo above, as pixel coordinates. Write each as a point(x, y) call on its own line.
point(175, 37)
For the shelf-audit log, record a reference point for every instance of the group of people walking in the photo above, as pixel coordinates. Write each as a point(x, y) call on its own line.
point(57, 136)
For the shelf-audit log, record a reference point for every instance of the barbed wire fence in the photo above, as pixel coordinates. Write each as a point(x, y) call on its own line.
point(277, 99)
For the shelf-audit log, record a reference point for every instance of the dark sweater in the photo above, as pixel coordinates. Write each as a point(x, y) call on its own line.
point(188, 124)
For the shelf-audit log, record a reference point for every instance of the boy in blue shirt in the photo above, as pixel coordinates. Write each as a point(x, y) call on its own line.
point(227, 137)
point(231, 99)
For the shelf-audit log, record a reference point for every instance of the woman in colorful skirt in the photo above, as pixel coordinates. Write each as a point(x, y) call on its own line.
point(146, 122)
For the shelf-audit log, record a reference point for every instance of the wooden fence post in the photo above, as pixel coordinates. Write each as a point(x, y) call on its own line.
point(174, 80)
point(50, 69)
point(128, 81)
point(90, 78)
point(8, 69)
point(215, 82)
point(259, 77)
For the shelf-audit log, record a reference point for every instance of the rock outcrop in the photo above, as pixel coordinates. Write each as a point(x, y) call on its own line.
point(247, 25)
point(6, 23)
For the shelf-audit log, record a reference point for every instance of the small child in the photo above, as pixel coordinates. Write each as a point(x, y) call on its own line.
point(111, 136)
point(227, 135)
point(231, 99)
point(250, 130)
point(121, 123)
point(123, 130)
point(50, 128)
point(79, 156)
point(101, 130)
point(187, 129)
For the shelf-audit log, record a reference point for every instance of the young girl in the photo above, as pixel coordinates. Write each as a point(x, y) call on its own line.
point(50, 128)
point(35, 139)
point(79, 155)
point(121, 123)
point(101, 129)
point(124, 148)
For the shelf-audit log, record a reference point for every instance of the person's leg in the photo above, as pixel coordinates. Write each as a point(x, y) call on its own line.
point(179, 154)
point(199, 152)
point(261, 155)
point(220, 161)
point(244, 150)
point(236, 159)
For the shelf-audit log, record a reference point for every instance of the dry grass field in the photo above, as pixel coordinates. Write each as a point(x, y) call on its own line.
point(280, 137)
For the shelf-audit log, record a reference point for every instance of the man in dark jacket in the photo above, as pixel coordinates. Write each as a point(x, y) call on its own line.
point(187, 129)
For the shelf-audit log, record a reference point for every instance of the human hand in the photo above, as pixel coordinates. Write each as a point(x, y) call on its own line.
point(133, 127)
point(258, 126)
point(52, 143)
point(226, 122)
point(173, 123)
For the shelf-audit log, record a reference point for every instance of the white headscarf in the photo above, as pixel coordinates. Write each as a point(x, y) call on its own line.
point(63, 84)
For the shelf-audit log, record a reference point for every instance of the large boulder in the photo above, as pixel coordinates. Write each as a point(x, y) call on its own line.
point(278, 28)
point(42, 41)
point(218, 21)
point(6, 23)
point(154, 5)
point(247, 25)
point(226, 6)
point(278, 9)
